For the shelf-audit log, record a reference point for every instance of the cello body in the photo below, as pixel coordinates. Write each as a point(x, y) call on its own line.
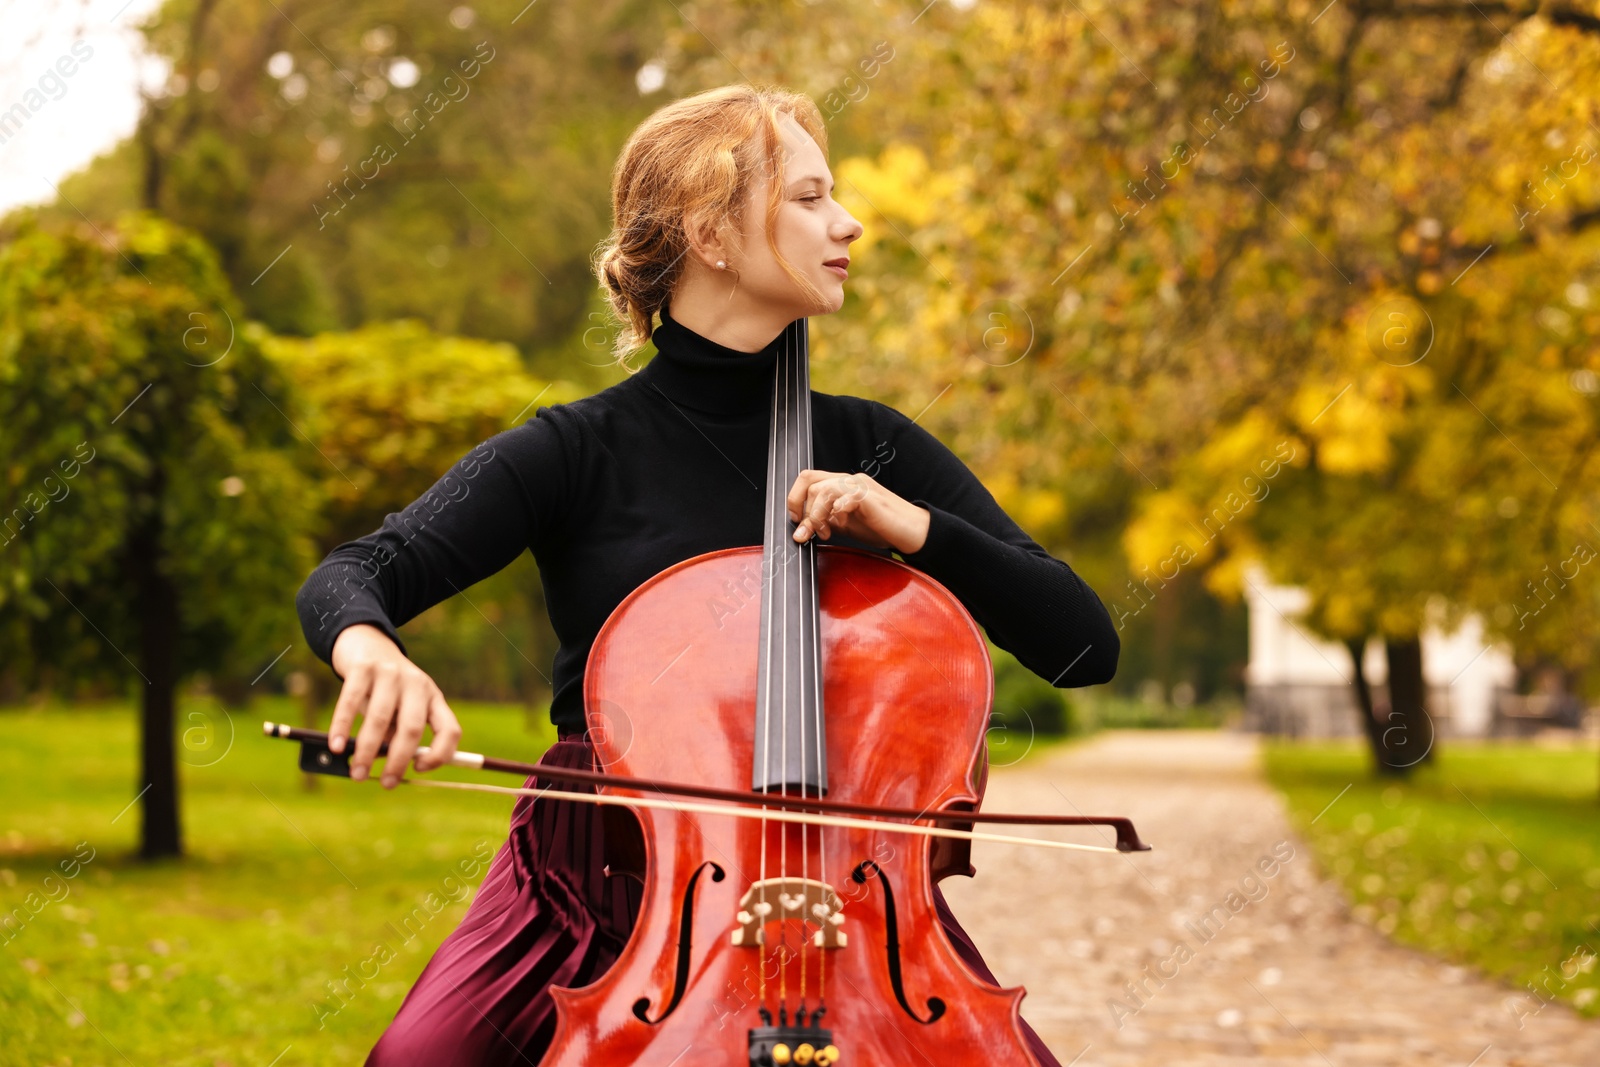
point(907, 683)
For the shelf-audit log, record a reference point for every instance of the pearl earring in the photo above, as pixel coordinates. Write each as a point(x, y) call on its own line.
point(721, 265)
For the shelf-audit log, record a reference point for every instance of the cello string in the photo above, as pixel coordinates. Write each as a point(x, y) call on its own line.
point(764, 696)
point(789, 547)
point(805, 556)
point(791, 556)
point(792, 632)
point(815, 652)
point(810, 709)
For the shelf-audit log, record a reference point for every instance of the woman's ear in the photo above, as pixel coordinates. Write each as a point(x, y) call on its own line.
point(705, 239)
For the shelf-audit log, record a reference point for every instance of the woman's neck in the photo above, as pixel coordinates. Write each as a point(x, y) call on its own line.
point(714, 308)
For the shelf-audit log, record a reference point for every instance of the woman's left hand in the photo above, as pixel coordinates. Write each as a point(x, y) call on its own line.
point(825, 502)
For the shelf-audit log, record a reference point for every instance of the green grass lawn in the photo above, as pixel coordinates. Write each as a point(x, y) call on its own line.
point(1491, 857)
point(225, 957)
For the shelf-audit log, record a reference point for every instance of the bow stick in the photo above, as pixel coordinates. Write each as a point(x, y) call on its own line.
point(317, 758)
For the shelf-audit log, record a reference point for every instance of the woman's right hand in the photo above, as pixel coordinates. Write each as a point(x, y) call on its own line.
point(395, 699)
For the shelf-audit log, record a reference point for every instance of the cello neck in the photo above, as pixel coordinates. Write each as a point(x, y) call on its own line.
point(790, 746)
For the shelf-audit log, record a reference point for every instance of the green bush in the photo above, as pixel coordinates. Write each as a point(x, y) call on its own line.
point(1107, 711)
point(1026, 704)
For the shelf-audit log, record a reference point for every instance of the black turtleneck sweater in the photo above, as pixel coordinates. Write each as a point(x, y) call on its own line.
point(612, 489)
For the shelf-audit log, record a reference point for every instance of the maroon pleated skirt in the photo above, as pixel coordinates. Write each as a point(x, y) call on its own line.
point(545, 915)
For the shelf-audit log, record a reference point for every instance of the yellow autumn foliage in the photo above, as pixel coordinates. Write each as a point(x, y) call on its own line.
point(899, 186)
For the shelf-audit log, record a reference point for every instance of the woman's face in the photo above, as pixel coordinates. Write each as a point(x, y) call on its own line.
point(813, 231)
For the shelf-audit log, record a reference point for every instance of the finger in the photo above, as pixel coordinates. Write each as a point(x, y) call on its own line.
point(446, 734)
point(408, 723)
point(352, 697)
point(839, 504)
point(808, 519)
point(825, 504)
point(801, 490)
point(799, 512)
point(824, 527)
point(375, 722)
point(818, 509)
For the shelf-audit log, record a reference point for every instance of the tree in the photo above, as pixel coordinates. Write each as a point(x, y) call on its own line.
point(156, 499)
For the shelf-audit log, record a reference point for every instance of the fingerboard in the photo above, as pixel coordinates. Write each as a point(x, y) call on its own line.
point(790, 748)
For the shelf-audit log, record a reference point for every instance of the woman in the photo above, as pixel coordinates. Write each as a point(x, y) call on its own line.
point(725, 227)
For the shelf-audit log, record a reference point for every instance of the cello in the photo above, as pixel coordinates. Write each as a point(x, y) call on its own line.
point(786, 678)
point(791, 670)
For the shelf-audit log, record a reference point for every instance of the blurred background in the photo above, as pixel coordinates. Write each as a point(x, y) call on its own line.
point(1278, 321)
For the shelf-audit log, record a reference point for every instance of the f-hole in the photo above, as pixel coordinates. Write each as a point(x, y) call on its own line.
point(641, 1007)
point(892, 931)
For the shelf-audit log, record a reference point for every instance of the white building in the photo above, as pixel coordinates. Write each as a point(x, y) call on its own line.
point(1299, 684)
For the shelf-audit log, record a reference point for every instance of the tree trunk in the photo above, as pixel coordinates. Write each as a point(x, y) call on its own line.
point(1371, 728)
point(151, 171)
point(161, 835)
point(153, 119)
point(1408, 735)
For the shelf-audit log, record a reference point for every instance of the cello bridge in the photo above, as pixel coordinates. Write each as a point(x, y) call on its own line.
point(774, 899)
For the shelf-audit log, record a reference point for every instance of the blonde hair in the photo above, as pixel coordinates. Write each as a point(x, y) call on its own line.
point(692, 160)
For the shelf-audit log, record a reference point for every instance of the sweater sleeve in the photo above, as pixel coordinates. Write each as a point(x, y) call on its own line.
point(499, 499)
point(1030, 603)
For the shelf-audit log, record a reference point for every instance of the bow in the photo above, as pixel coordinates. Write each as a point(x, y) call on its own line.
point(317, 758)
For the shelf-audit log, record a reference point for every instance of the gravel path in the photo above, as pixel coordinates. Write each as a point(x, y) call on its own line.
point(1279, 974)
